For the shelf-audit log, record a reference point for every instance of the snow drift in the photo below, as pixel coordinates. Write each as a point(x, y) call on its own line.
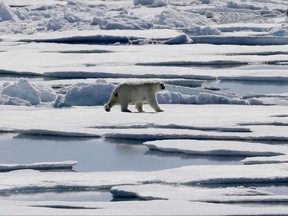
point(6, 13)
point(23, 92)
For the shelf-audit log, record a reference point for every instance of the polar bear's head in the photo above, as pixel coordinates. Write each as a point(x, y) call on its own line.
point(160, 86)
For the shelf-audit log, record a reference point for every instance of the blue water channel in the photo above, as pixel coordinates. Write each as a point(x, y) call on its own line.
point(92, 155)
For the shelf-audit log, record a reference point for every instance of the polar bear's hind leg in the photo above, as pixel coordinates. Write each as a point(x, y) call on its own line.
point(139, 106)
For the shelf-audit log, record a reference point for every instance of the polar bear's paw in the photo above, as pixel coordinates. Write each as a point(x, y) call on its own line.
point(107, 108)
point(126, 110)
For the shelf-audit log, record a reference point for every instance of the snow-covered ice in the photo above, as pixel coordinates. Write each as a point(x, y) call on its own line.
point(223, 148)
point(38, 166)
point(226, 122)
point(266, 160)
point(60, 60)
point(35, 180)
point(135, 208)
point(31, 180)
point(212, 195)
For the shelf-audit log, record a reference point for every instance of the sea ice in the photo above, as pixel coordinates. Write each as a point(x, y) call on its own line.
point(69, 41)
point(203, 123)
point(223, 148)
point(266, 160)
point(24, 90)
point(6, 14)
point(24, 180)
point(38, 166)
point(87, 94)
point(192, 194)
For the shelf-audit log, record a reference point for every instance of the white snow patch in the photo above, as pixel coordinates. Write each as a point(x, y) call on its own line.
point(6, 100)
point(82, 94)
point(24, 90)
point(6, 13)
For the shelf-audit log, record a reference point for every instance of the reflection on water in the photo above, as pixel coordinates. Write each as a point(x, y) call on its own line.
point(98, 154)
point(102, 155)
point(243, 87)
point(92, 155)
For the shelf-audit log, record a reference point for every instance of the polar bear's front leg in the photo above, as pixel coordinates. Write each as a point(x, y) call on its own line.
point(124, 106)
point(153, 103)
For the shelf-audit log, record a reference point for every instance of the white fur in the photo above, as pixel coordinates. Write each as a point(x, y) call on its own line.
point(136, 93)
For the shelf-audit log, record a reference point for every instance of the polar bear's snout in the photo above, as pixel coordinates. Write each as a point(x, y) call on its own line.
point(162, 86)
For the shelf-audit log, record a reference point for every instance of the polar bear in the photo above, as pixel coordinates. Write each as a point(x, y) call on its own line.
point(137, 93)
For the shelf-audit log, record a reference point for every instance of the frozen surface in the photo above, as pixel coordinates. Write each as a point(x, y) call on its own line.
point(224, 148)
point(38, 166)
point(25, 180)
point(171, 124)
point(266, 160)
point(24, 92)
point(133, 208)
point(60, 61)
point(212, 195)
point(29, 180)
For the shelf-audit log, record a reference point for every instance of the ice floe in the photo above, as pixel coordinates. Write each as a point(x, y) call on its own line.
point(66, 47)
point(38, 166)
point(224, 148)
point(266, 160)
point(231, 174)
point(135, 208)
point(173, 123)
point(212, 195)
